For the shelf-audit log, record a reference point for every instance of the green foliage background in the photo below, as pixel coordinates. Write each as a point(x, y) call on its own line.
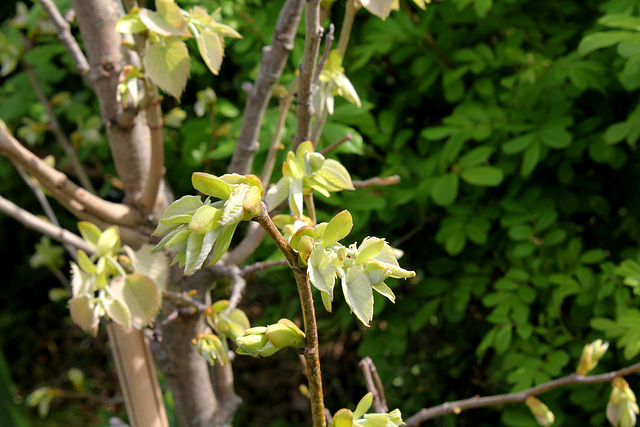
point(517, 148)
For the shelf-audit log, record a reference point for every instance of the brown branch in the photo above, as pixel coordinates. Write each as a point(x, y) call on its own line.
point(283, 111)
point(239, 283)
point(328, 41)
point(261, 266)
point(184, 300)
point(222, 376)
point(347, 137)
point(374, 385)
point(273, 62)
point(501, 399)
point(54, 127)
point(377, 182)
point(65, 36)
point(32, 222)
point(156, 169)
point(76, 198)
point(311, 353)
point(313, 34)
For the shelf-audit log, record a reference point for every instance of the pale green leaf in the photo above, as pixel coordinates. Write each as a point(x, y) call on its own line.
point(211, 49)
point(198, 247)
point(183, 207)
point(89, 232)
point(369, 248)
point(81, 282)
point(444, 189)
point(159, 24)
point(118, 312)
point(141, 296)
point(363, 406)
point(85, 263)
point(167, 64)
point(375, 420)
point(296, 197)
point(321, 271)
point(233, 208)
point(377, 273)
point(488, 176)
point(205, 219)
point(223, 241)
point(83, 314)
point(130, 23)
point(278, 193)
point(336, 174)
point(210, 185)
point(108, 241)
point(337, 229)
point(380, 8)
point(171, 13)
point(385, 291)
point(154, 266)
point(601, 40)
point(359, 294)
point(346, 89)
point(342, 418)
point(292, 168)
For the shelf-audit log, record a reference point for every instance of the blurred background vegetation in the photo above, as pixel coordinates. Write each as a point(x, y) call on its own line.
point(513, 125)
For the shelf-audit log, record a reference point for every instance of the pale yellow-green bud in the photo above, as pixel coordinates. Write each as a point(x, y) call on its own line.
point(540, 411)
point(591, 355)
point(622, 407)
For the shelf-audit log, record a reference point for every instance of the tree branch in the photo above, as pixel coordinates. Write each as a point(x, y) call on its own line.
point(501, 399)
point(32, 222)
point(313, 34)
point(156, 169)
point(63, 189)
point(274, 60)
point(374, 385)
point(377, 181)
point(65, 36)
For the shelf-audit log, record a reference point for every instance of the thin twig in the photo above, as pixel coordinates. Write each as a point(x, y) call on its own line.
point(481, 402)
point(312, 38)
point(67, 39)
point(347, 137)
point(311, 207)
point(239, 283)
point(377, 181)
point(274, 60)
point(32, 222)
point(54, 127)
point(44, 203)
point(374, 385)
point(183, 300)
point(274, 148)
point(261, 266)
point(328, 41)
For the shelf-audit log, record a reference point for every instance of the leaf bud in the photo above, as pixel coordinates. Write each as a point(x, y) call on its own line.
point(252, 204)
point(540, 411)
point(622, 407)
point(591, 355)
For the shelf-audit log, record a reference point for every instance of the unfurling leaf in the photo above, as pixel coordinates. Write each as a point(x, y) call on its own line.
point(83, 312)
point(167, 64)
point(211, 49)
point(359, 294)
point(140, 294)
point(337, 229)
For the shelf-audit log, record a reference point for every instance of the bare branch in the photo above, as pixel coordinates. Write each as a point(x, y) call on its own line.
point(347, 137)
point(156, 169)
point(76, 198)
point(54, 127)
point(184, 300)
point(269, 163)
point(501, 399)
point(328, 41)
point(65, 36)
point(42, 199)
point(239, 283)
point(261, 266)
point(378, 181)
point(313, 34)
point(32, 222)
point(274, 60)
point(374, 385)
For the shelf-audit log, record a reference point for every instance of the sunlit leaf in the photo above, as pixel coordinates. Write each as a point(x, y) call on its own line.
point(321, 272)
point(83, 313)
point(359, 294)
point(131, 23)
point(380, 8)
point(278, 193)
point(210, 185)
point(141, 296)
point(160, 25)
point(90, 232)
point(108, 241)
point(223, 241)
point(211, 49)
point(167, 64)
point(336, 174)
point(337, 229)
point(118, 312)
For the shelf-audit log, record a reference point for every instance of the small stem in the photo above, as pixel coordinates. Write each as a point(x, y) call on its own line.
point(311, 208)
point(328, 41)
point(347, 25)
point(347, 137)
point(283, 111)
point(267, 224)
point(377, 181)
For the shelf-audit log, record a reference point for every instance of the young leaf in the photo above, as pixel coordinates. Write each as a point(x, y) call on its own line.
point(233, 207)
point(380, 8)
point(359, 294)
point(131, 23)
point(337, 229)
point(167, 64)
point(211, 49)
point(336, 174)
point(321, 272)
point(278, 193)
point(159, 24)
point(210, 185)
point(83, 313)
point(81, 283)
point(205, 219)
point(385, 291)
point(342, 418)
point(140, 294)
point(223, 241)
point(363, 406)
point(108, 241)
point(90, 232)
point(369, 248)
point(85, 263)
point(296, 197)
point(154, 266)
point(198, 247)
point(118, 312)
point(172, 14)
